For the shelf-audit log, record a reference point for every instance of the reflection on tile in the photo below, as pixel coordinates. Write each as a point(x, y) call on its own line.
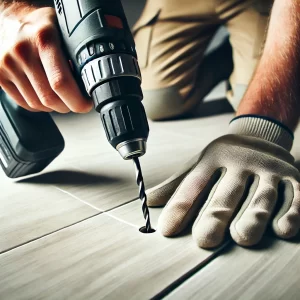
point(28, 211)
point(270, 272)
point(99, 258)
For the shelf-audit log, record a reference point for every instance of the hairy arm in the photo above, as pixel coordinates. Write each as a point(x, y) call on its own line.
point(11, 8)
point(275, 88)
point(38, 3)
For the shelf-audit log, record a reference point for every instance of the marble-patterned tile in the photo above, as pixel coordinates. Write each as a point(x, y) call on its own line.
point(99, 258)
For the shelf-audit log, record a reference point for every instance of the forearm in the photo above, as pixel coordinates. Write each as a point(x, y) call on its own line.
point(38, 3)
point(11, 7)
point(12, 13)
point(275, 89)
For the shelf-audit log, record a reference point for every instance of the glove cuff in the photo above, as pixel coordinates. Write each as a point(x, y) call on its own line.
point(264, 128)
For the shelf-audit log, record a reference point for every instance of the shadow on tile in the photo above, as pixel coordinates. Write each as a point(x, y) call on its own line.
point(68, 177)
point(297, 164)
point(213, 108)
point(295, 240)
point(270, 239)
point(207, 109)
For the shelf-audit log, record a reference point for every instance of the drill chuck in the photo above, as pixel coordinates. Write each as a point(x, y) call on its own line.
point(101, 49)
point(132, 148)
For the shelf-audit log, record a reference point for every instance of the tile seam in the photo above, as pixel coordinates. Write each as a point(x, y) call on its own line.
point(48, 234)
point(96, 208)
point(189, 274)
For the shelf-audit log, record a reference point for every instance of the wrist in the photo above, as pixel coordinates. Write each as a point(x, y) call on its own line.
point(284, 111)
point(264, 128)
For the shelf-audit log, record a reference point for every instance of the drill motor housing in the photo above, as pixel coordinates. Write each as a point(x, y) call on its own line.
point(101, 49)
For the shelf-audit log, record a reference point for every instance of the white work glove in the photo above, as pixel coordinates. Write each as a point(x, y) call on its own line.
point(241, 181)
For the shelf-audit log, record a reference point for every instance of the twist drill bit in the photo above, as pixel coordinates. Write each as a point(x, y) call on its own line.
point(142, 196)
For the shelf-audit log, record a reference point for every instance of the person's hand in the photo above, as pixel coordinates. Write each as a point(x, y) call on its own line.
point(33, 67)
point(241, 181)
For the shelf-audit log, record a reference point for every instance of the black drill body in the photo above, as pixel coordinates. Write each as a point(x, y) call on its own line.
point(101, 49)
point(102, 53)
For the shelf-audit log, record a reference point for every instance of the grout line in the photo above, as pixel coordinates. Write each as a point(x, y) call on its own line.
point(100, 212)
point(49, 233)
point(121, 220)
point(182, 279)
point(75, 197)
point(122, 204)
point(98, 209)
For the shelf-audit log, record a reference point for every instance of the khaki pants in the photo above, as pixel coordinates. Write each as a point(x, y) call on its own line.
point(171, 38)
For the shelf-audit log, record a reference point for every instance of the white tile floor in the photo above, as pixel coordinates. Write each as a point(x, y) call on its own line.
point(100, 258)
point(29, 211)
point(104, 256)
point(56, 260)
point(57, 243)
point(247, 274)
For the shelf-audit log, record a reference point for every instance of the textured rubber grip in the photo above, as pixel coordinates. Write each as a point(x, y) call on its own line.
point(124, 120)
point(108, 67)
point(122, 88)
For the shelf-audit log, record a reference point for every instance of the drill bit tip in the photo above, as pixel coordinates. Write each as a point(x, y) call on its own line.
point(144, 230)
point(142, 196)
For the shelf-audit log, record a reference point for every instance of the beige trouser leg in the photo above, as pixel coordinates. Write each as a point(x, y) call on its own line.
point(171, 38)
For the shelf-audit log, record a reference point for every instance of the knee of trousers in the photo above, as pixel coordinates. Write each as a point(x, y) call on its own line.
point(163, 103)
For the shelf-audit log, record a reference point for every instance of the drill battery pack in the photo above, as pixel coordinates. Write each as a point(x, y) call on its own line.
point(29, 141)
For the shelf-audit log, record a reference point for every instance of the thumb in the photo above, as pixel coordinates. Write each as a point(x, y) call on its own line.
point(160, 194)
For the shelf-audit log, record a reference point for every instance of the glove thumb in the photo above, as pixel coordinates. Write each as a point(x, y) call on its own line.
point(160, 194)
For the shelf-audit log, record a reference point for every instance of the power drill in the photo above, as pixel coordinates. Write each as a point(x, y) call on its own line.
point(100, 48)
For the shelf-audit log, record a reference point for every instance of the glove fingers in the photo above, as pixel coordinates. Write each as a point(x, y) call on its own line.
point(286, 223)
point(250, 223)
point(161, 194)
point(210, 227)
point(187, 200)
